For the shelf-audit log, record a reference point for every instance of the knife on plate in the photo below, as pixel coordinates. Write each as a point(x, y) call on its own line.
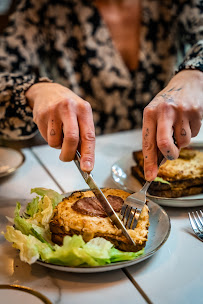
point(102, 199)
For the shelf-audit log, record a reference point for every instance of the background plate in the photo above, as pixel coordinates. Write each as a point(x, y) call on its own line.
point(20, 294)
point(159, 230)
point(10, 160)
point(121, 174)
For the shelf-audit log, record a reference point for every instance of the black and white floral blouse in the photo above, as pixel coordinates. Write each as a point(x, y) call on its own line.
point(66, 41)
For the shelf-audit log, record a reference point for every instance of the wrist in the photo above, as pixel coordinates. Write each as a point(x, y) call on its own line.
point(33, 91)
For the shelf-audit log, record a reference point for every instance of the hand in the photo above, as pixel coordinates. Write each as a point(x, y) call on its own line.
point(63, 118)
point(175, 112)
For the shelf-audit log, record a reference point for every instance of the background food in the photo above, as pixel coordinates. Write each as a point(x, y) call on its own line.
point(176, 178)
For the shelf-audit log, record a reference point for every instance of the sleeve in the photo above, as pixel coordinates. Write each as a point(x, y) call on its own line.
point(20, 47)
point(191, 34)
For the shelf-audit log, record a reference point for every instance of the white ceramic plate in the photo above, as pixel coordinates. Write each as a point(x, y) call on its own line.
point(158, 233)
point(121, 174)
point(10, 160)
point(20, 294)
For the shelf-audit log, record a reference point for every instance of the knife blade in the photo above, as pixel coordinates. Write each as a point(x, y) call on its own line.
point(102, 199)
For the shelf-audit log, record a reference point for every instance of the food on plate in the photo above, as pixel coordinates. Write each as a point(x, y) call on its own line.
point(32, 232)
point(176, 178)
point(81, 213)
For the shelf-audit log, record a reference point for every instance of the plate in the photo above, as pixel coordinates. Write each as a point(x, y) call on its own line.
point(20, 294)
point(10, 160)
point(159, 230)
point(121, 174)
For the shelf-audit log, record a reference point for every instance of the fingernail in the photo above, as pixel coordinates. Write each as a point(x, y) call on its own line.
point(87, 166)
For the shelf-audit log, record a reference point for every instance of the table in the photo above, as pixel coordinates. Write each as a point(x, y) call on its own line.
point(173, 275)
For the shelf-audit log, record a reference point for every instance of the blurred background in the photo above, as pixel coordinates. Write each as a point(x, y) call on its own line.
point(6, 8)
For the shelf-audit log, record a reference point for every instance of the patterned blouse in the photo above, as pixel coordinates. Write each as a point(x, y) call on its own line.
point(68, 42)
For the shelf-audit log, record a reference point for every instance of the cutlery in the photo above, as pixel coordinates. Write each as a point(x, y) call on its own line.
point(102, 199)
point(196, 221)
point(133, 204)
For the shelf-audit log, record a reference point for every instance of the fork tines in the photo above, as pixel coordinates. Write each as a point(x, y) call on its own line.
point(129, 216)
point(196, 221)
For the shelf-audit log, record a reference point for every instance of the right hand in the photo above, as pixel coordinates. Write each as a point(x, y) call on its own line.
point(64, 119)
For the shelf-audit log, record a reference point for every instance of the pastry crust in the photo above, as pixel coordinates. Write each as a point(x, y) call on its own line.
point(67, 221)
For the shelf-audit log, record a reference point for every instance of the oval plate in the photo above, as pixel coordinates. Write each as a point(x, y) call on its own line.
point(159, 230)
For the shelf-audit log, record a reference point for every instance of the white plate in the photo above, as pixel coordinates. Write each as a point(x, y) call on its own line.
point(121, 174)
point(159, 230)
point(10, 160)
point(20, 294)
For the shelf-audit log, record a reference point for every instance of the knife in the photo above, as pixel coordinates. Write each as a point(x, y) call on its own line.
point(102, 199)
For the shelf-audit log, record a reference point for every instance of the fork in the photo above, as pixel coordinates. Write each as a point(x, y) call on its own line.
point(196, 222)
point(133, 204)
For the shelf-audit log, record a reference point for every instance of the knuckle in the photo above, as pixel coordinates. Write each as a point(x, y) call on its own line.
point(89, 136)
point(162, 143)
point(85, 107)
point(51, 109)
point(149, 112)
point(40, 117)
point(66, 103)
point(147, 145)
point(164, 107)
point(71, 137)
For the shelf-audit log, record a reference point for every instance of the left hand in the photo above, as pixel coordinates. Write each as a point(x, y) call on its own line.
point(177, 110)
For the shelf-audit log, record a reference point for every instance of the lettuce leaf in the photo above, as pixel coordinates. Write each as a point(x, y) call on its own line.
point(33, 206)
point(26, 227)
point(161, 180)
point(97, 252)
point(31, 249)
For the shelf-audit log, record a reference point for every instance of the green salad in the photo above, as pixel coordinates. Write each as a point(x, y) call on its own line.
point(30, 234)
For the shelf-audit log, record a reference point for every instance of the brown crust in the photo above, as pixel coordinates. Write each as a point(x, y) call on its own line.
point(178, 192)
point(67, 221)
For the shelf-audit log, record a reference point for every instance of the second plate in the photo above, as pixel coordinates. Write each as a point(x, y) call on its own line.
point(121, 174)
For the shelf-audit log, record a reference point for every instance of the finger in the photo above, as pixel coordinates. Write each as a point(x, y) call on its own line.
point(54, 132)
point(182, 133)
point(87, 137)
point(195, 125)
point(165, 141)
point(70, 137)
point(149, 146)
point(42, 127)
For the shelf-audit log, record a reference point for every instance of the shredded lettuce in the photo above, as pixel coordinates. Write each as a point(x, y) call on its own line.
point(25, 226)
point(33, 238)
